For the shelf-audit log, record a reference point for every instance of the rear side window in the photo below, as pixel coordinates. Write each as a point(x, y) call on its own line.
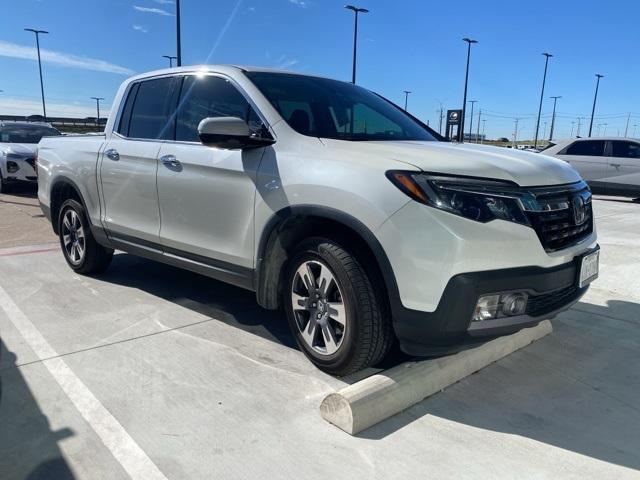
point(152, 112)
point(591, 148)
point(626, 149)
point(210, 96)
point(125, 119)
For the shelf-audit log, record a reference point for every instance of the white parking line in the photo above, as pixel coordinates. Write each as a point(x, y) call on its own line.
point(124, 448)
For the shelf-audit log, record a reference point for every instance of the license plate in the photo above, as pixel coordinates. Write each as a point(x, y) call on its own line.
point(589, 268)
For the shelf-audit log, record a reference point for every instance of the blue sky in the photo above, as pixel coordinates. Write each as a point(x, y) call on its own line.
point(404, 45)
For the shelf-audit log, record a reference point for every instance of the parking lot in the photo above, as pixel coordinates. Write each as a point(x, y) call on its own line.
point(150, 369)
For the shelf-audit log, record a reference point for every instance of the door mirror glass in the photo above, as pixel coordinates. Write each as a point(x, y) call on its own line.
point(230, 133)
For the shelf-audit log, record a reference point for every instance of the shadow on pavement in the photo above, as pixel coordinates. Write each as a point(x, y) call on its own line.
point(28, 447)
point(234, 306)
point(576, 389)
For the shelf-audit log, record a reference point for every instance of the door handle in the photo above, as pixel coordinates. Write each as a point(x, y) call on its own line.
point(617, 165)
point(171, 161)
point(112, 154)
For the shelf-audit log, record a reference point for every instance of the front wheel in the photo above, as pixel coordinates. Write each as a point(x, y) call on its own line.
point(81, 251)
point(339, 322)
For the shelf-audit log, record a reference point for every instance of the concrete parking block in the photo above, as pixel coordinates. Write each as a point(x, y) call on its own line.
point(378, 397)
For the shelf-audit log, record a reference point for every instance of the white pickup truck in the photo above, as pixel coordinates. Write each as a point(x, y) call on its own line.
point(331, 203)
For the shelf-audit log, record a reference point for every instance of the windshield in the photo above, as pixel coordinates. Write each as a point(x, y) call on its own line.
point(25, 133)
point(320, 107)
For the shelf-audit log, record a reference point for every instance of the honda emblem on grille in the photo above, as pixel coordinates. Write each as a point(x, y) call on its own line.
point(579, 210)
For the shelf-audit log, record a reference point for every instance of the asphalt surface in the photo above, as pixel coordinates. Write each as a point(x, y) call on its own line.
point(147, 371)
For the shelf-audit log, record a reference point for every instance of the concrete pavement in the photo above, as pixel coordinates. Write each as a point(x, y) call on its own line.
point(208, 385)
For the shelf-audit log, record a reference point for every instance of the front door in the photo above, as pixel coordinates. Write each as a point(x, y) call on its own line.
point(207, 194)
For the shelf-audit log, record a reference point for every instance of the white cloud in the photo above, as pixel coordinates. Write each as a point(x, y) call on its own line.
point(157, 11)
point(164, 2)
point(284, 62)
point(13, 50)
point(300, 3)
point(17, 106)
point(139, 28)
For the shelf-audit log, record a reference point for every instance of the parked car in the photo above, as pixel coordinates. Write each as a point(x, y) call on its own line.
point(610, 165)
point(329, 202)
point(18, 142)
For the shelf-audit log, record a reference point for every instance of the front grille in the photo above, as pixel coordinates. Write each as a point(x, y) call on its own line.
point(556, 222)
point(539, 305)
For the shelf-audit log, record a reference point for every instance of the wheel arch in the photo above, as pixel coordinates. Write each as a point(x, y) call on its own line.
point(63, 188)
point(286, 228)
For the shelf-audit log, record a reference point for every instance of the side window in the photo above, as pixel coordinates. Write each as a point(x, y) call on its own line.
point(591, 148)
point(125, 119)
point(151, 116)
point(210, 96)
point(626, 149)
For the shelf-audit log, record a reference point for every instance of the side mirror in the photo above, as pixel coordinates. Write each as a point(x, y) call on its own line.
point(229, 132)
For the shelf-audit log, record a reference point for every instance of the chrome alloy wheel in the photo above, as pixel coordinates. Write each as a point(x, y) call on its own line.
point(73, 237)
point(318, 307)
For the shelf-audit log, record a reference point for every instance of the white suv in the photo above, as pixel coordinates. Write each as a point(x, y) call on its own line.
point(329, 202)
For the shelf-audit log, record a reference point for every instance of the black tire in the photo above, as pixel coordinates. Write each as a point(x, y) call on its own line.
point(4, 186)
point(95, 258)
point(367, 335)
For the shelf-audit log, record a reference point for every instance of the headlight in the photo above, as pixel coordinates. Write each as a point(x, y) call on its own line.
point(476, 199)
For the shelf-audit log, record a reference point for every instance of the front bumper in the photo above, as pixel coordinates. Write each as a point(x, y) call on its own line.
point(449, 327)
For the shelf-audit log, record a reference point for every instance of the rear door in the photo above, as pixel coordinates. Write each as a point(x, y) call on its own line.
point(588, 158)
point(129, 161)
point(623, 168)
point(207, 194)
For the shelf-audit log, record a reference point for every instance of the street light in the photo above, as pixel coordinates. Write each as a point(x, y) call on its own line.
point(178, 39)
point(406, 99)
point(171, 59)
point(472, 102)
point(595, 97)
point(544, 79)
point(553, 116)
point(38, 32)
point(97, 99)
point(466, 82)
point(634, 129)
point(355, 10)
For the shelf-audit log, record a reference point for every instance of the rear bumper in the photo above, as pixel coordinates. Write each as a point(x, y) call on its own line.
point(449, 327)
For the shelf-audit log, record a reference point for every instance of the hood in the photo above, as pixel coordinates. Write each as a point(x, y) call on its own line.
point(524, 168)
point(22, 149)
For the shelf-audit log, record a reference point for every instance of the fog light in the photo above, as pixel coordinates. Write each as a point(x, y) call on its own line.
point(514, 304)
point(12, 167)
point(486, 308)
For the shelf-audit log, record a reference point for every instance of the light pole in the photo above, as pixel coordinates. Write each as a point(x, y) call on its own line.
point(406, 99)
point(356, 11)
point(515, 133)
point(97, 99)
point(478, 132)
point(626, 128)
point(38, 32)
point(178, 36)
point(544, 79)
point(579, 123)
point(634, 129)
point(595, 97)
point(472, 102)
point(484, 124)
point(604, 134)
point(553, 116)
point(171, 59)
point(466, 82)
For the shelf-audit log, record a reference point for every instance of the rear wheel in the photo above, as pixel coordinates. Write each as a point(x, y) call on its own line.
point(81, 251)
point(332, 308)
point(4, 186)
